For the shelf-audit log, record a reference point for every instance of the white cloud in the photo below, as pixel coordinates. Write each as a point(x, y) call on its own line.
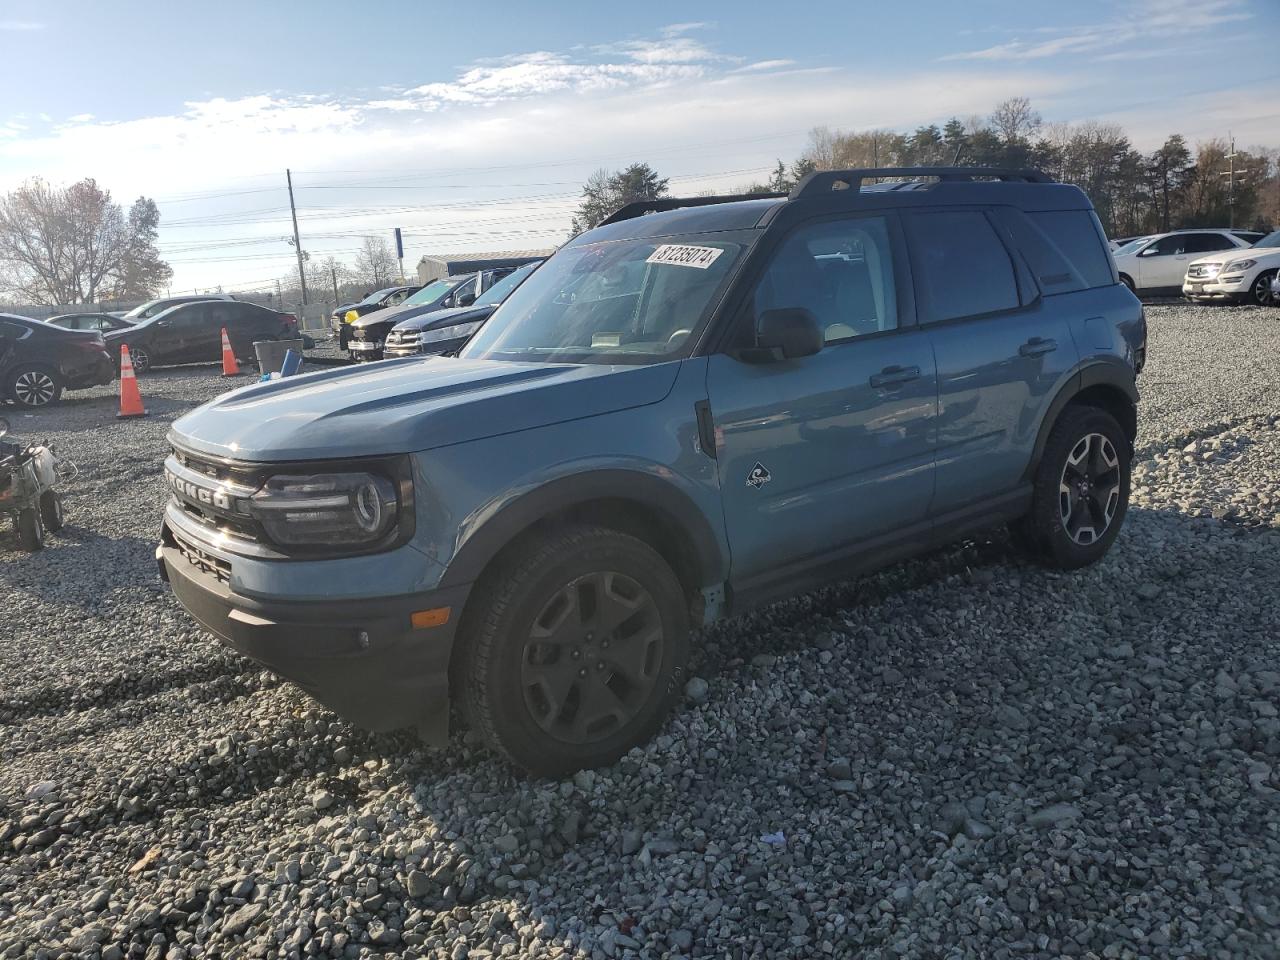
point(1151, 19)
point(21, 26)
point(80, 118)
point(764, 65)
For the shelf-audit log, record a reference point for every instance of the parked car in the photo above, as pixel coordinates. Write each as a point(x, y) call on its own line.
point(367, 333)
point(1156, 264)
point(40, 360)
point(445, 331)
point(101, 322)
point(378, 300)
point(1244, 276)
point(698, 407)
point(192, 333)
point(145, 311)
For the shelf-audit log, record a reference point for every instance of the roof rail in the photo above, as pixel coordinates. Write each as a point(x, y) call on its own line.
point(640, 207)
point(824, 181)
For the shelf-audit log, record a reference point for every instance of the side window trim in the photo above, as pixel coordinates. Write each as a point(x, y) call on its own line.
point(922, 294)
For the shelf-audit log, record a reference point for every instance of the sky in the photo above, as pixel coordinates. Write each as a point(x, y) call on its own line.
point(472, 126)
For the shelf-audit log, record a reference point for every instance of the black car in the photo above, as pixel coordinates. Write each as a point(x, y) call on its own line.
point(192, 333)
point(378, 300)
point(145, 311)
point(368, 333)
point(38, 361)
point(98, 322)
point(444, 331)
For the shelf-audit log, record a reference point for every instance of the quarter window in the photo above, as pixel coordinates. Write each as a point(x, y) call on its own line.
point(1207, 243)
point(965, 268)
point(1078, 237)
point(841, 271)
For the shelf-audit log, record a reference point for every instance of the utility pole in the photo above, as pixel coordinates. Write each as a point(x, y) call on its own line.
point(1231, 190)
point(297, 243)
point(279, 295)
point(333, 275)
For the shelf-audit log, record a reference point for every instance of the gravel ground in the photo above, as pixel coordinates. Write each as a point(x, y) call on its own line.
point(961, 756)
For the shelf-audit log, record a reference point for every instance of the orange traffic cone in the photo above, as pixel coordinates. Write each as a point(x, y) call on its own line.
point(229, 366)
point(130, 398)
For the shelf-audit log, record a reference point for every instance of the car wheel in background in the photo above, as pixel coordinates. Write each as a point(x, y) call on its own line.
point(140, 359)
point(1260, 292)
point(34, 386)
point(1126, 281)
point(1081, 490)
point(30, 529)
point(51, 510)
point(576, 650)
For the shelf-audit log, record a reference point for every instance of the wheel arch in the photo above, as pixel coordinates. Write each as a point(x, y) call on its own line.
point(639, 504)
point(1108, 386)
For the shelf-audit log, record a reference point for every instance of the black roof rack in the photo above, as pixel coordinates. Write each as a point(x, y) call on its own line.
point(640, 207)
point(824, 181)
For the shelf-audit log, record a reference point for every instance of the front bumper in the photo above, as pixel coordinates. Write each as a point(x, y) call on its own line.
point(1215, 289)
point(365, 349)
point(363, 658)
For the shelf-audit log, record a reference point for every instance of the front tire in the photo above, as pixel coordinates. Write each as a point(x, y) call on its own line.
point(1081, 491)
point(30, 529)
point(140, 359)
point(34, 386)
point(576, 650)
point(1260, 292)
point(51, 511)
point(1124, 278)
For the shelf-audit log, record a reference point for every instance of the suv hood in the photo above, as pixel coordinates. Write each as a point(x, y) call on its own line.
point(445, 318)
point(394, 315)
point(403, 406)
point(1266, 255)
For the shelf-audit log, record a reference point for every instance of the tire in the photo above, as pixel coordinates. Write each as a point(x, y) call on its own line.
point(527, 697)
point(1260, 292)
point(34, 386)
point(1124, 278)
point(30, 529)
point(1074, 517)
point(140, 358)
point(51, 511)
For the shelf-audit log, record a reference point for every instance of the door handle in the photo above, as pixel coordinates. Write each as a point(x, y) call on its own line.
point(895, 375)
point(1038, 347)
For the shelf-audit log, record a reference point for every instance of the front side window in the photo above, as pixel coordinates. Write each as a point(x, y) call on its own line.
point(965, 268)
point(1167, 246)
point(624, 301)
point(500, 290)
point(841, 271)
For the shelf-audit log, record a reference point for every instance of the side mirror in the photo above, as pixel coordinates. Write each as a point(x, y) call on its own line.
point(466, 299)
point(786, 334)
point(1148, 252)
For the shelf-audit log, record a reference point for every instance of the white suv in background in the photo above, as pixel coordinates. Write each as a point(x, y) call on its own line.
point(1158, 263)
point(1245, 276)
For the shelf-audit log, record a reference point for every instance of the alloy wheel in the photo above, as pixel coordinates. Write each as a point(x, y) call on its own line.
point(1089, 489)
point(34, 388)
point(1262, 289)
point(592, 657)
point(140, 359)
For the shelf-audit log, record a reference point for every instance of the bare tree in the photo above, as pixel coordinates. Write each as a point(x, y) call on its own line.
point(1014, 120)
point(375, 263)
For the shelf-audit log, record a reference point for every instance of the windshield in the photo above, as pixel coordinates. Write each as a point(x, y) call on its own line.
point(376, 296)
point(144, 310)
point(499, 291)
point(626, 301)
point(1270, 240)
point(431, 292)
point(1130, 247)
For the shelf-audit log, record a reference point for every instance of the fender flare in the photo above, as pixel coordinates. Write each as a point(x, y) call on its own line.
point(1113, 374)
point(708, 560)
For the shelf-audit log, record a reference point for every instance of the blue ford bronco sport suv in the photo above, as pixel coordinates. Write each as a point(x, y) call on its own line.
point(699, 406)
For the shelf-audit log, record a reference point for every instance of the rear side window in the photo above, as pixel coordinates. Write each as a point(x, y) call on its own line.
point(1208, 243)
point(966, 270)
point(1078, 237)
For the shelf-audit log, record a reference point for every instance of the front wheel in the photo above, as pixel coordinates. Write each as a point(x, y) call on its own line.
point(1260, 292)
point(51, 510)
point(1081, 490)
point(30, 529)
point(140, 359)
point(576, 651)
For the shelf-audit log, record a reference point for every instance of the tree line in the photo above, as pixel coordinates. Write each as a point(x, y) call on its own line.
point(1134, 192)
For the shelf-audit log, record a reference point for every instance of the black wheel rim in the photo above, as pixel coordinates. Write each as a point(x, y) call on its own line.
point(34, 388)
point(140, 360)
point(1089, 490)
point(1262, 290)
point(592, 657)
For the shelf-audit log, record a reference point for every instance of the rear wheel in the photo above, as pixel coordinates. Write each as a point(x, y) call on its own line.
point(34, 386)
point(140, 359)
point(30, 529)
point(51, 510)
point(1126, 281)
point(577, 650)
point(1081, 490)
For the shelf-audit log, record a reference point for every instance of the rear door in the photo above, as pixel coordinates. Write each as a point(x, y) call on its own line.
point(206, 342)
point(1001, 353)
point(819, 453)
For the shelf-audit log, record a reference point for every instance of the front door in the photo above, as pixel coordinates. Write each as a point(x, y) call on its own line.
point(820, 453)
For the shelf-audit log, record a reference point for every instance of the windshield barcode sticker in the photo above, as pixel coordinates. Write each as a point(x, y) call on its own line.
point(685, 256)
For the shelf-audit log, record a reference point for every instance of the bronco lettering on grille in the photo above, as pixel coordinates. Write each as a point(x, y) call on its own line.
point(200, 494)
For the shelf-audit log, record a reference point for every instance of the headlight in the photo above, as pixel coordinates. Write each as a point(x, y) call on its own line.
point(331, 509)
point(1238, 266)
point(351, 317)
point(448, 333)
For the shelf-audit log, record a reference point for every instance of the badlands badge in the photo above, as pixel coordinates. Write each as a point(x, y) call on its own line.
point(758, 476)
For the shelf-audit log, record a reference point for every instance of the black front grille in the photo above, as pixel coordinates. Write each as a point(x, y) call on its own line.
point(202, 560)
point(219, 505)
